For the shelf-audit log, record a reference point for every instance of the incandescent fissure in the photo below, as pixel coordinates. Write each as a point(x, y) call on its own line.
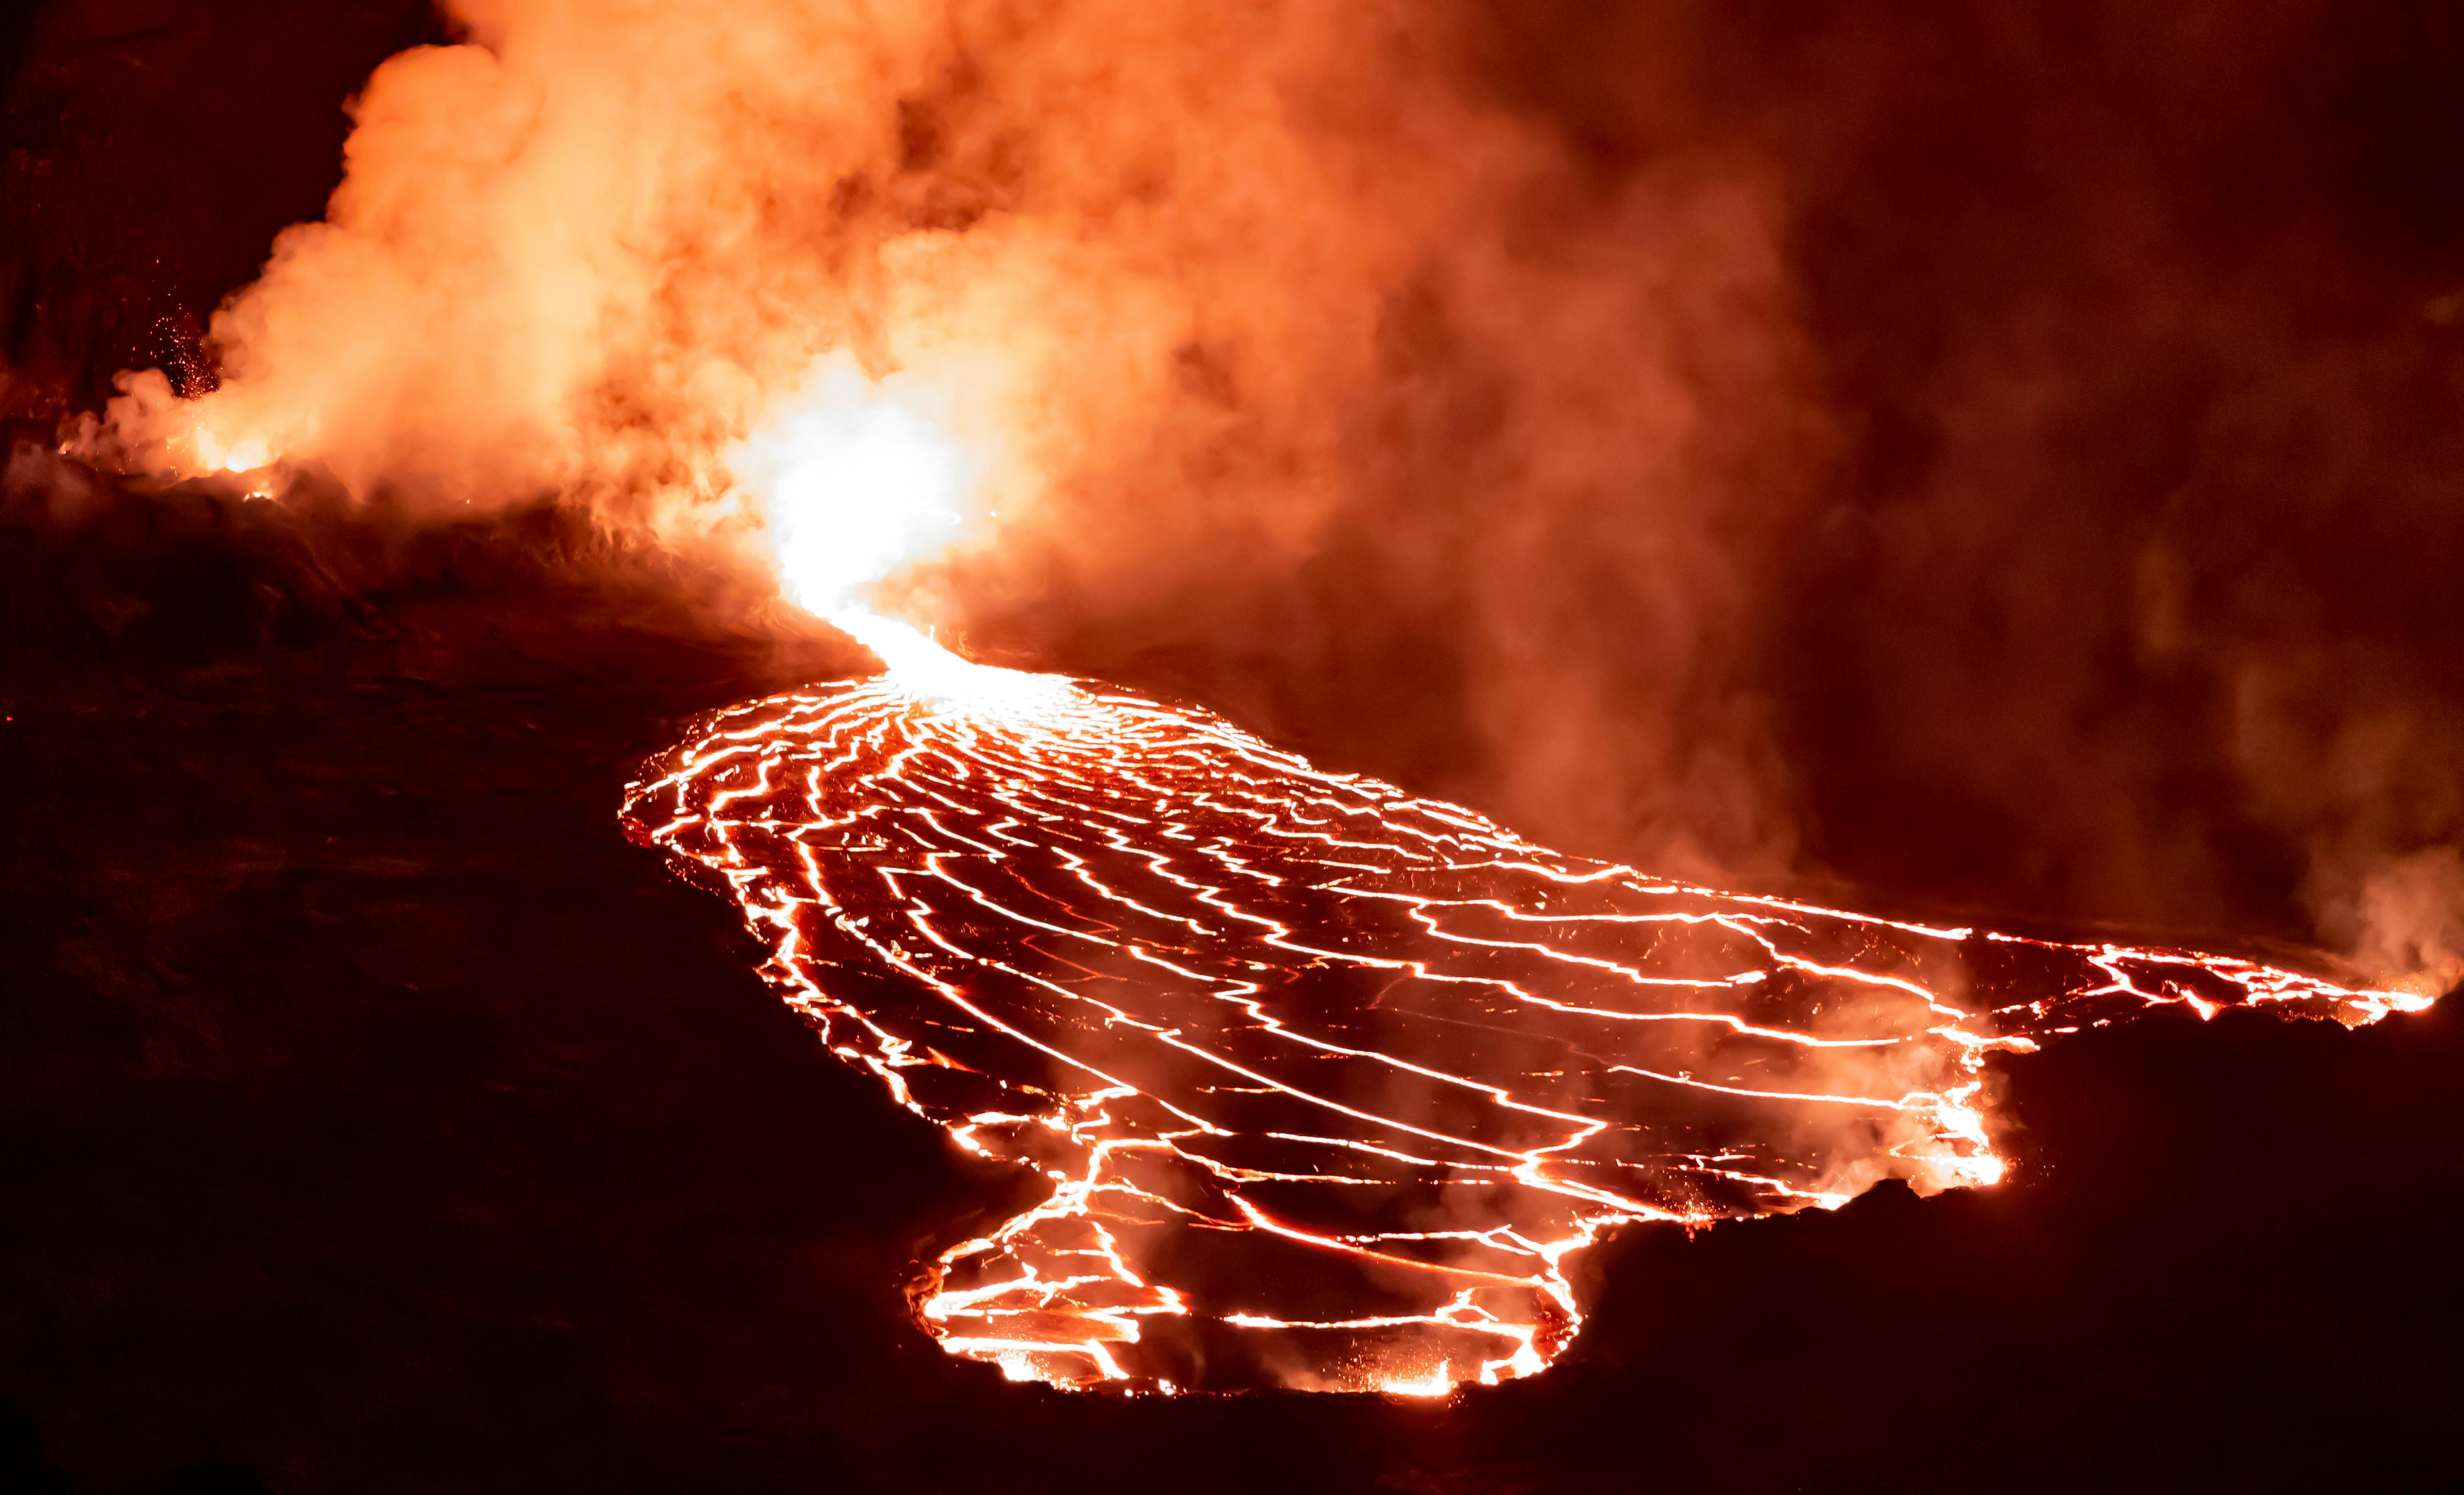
point(1331, 1082)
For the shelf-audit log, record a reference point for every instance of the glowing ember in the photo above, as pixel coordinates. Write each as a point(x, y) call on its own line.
point(1330, 1082)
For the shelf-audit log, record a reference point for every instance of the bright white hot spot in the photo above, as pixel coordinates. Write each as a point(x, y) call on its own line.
point(924, 670)
point(857, 477)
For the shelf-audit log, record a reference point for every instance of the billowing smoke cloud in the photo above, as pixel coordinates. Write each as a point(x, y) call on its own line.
point(1222, 293)
point(1500, 401)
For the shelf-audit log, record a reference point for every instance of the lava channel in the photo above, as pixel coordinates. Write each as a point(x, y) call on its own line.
point(1331, 1082)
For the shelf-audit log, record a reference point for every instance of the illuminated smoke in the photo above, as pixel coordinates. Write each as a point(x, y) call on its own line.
point(1277, 333)
point(1202, 289)
point(1103, 327)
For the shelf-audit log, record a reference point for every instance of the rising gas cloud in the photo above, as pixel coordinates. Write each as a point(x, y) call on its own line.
point(1297, 356)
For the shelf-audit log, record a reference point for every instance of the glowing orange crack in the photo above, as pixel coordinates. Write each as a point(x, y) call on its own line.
point(946, 825)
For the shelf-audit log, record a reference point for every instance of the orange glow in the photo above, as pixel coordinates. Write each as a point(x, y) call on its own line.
point(1331, 1082)
point(218, 453)
point(1121, 309)
point(1437, 1383)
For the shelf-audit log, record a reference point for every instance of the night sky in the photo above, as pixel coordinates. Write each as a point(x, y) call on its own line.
point(374, 1116)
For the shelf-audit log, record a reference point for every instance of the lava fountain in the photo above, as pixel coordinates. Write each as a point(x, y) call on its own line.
point(1326, 1084)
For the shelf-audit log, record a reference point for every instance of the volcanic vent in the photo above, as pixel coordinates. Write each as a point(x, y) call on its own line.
point(1329, 1081)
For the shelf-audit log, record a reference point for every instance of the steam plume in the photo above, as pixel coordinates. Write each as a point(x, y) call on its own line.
point(1299, 334)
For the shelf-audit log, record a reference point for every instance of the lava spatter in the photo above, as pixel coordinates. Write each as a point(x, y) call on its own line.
point(1331, 1082)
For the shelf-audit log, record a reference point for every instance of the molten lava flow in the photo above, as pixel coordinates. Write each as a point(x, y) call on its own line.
point(1329, 1081)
